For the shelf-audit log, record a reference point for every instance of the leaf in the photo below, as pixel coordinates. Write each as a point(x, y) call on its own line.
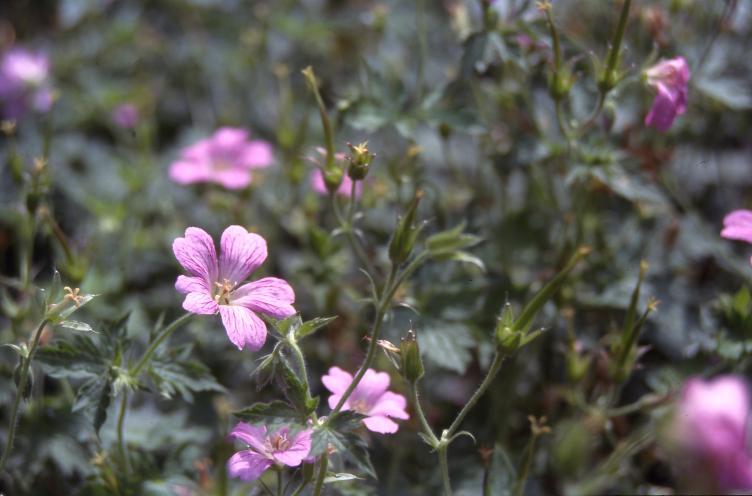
point(93, 398)
point(76, 326)
point(80, 359)
point(447, 345)
point(734, 93)
point(451, 240)
point(173, 374)
point(340, 433)
point(501, 473)
point(295, 389)
point(276, 411)
point(340, 477)
point(313, 325)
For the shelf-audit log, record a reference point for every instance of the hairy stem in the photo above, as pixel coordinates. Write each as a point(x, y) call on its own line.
point(19, 394)
point(163, 334)
point(490, 376)
point(444, 467)
point(322, 474)
point(121, 432)
point(421, 416)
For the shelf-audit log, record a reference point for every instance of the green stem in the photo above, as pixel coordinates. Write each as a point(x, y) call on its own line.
point(279, 482)
point(120, 432)
point(613, 54)
point(328, 133)
point(490, 376)
point(322, 474)
point(164, 334)
point(19, 394)
point(444, 467)
point(421, 416)
point(519, 485)
point(303, 368)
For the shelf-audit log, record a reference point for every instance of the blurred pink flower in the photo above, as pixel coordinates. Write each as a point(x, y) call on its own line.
point(669, 78)
point(370, 398)
point(227, 158)
point(711, 431)
point(24, 82)
point(738, 225)
point(125, 115)
point(265, 449)
point(212, 284)
point(317, 176)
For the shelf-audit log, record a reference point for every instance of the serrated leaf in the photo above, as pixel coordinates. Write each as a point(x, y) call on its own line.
point(82, 358)
point(267, 412)
point(309, 327)
point(295, 390)
point(447, 345)
point(77, 326)
point(93, 398)
point(173, 374)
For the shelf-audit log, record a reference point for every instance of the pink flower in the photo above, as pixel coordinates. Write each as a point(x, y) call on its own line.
point(711, 430)
point(24, 82)
point(738, 225)
point(227, 158)
point(264, 450)
point(213, 284)
point(125, 115)
point(317, 176)
point(370, 397)
point(669, 78)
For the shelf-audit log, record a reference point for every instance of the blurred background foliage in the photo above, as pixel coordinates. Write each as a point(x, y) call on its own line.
point(453, 101)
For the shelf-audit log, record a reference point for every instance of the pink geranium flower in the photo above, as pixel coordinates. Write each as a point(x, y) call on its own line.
point(125, 115)
point(213, 285)
point(265, 450)
point(227, 158)
point(669, 78)
point(370, 398)
point(317, 176)
point(24, 82)
point(711, 430)
point(738, 225)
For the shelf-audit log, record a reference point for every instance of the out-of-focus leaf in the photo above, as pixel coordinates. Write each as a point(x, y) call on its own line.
point(93, 398)
point(76, 326)
point(182, 377)
point(79, 358)
point(733, 93)
point(447, 345)
point(340, 477)
point(275, 411)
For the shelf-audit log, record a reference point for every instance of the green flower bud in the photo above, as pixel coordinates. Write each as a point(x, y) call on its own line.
point(412, 365)
point(404, 237)
point(333, 178)
point(360, 160)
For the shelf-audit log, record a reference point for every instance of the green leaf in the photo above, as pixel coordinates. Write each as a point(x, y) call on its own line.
point(82, 358)
point(173, 374)
point(451, 240)
point(340, 477)
point(447, 345)
point(341, 433)
point(76, 326)
point(313, 325)
point(296, 390)
point(276, 411)
point(93, 398)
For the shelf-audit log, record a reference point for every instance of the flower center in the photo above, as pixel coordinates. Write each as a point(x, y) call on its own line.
point(222, 296)
point(279, 442)
point(360, 406)
point(220, 164)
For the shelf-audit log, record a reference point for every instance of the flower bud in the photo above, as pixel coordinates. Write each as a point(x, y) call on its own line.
point(404, 237)
point(412, 364)
point(332, 178)
point(360, 160)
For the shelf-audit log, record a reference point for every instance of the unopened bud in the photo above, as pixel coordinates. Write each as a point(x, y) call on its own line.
point(333, 178)
point(404, 237)
point(412, 364)
point(360, 160)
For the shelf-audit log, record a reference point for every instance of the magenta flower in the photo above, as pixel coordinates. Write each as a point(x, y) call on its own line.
point(265, 450)
point(125, 115)
point(711, 431)
point(317, 176)
point(669, 78)
point(213, 285)
point(24, 82)
point(227, 158)
point(738, 225)
point(370, 397)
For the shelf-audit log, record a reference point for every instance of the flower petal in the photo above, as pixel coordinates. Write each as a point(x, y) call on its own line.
point(252, 435)
point(337, 380)
point(298, 451)
point(189, 171)
point(191, 284)
point(270, 296)
point(373, 385)
point(234, 178)
point(391, 405)
point(243, 327)
point(256, 153)
point(382, 425)
point(738, 225)
point(196, 254)
point(664, 109)
point(201, 303)
point(247, 465)
point(241, 253)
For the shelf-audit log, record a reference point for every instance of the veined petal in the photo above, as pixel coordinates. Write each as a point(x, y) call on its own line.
point(391, 405)
point(252, 435)
point(191, 284)
point(241, 253)
point(243, 327)
point(247, 465)
point(201, 303)
point(196, 254)
point(256, 153)
point(373, 385)
point(298, 451)
point(337, 380)
point(382, 425)
point(270, 296)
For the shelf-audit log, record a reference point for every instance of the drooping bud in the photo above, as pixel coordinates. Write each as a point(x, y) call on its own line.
point(406, 233)
point(360, 160)
point(412, 364)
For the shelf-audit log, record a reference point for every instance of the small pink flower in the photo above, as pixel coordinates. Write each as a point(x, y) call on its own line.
point(738, 225)
point(265, 450)
point(711, 431)
point(213, 285)
point(125, 115)
point(317, 176)
point(370, 398)
point(669, 78)
point(24, 82)
point(227, 158)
